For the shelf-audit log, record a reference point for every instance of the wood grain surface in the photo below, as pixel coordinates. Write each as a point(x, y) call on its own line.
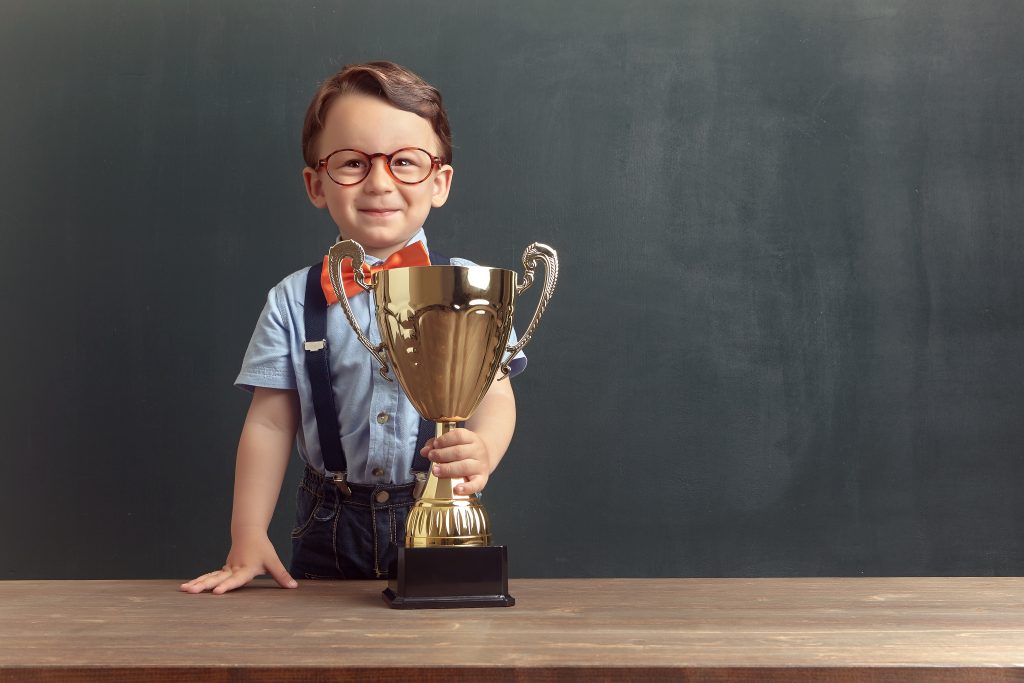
point(851, 629)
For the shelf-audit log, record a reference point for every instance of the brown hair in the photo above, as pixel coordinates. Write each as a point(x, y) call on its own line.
point(392, 83)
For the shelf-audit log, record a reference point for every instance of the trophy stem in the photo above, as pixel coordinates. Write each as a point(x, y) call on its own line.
point(442, 517)
point(443, 489)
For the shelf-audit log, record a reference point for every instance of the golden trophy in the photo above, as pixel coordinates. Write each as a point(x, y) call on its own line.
point(444, 331)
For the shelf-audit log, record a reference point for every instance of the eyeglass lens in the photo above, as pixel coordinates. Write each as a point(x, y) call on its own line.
point(349, 166)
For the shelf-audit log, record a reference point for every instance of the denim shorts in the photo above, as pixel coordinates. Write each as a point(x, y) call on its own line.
point(347, 537)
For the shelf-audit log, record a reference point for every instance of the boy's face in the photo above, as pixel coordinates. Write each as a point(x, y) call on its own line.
point(380, 213)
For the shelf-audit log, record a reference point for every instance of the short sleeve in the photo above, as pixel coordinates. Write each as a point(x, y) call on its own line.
point(267, 362)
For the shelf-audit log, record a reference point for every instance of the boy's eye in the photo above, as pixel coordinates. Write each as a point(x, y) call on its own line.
point(405, 161)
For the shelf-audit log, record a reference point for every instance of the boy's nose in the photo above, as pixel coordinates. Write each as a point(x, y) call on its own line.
point(378, 179)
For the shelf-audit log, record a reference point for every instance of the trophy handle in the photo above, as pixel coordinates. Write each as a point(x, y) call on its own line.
point(335, 255)
point(530, 257)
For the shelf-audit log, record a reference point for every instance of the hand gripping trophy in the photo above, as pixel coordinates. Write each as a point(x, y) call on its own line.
point(444, 330)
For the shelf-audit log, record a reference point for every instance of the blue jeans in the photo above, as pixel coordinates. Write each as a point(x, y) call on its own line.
point(354, 537)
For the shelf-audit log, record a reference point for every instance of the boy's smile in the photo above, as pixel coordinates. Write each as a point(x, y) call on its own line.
point(379, 212)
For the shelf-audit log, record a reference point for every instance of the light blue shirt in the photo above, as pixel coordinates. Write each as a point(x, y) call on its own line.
point(378, 424)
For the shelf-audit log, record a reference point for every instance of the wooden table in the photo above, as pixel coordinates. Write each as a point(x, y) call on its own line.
point(879, 629)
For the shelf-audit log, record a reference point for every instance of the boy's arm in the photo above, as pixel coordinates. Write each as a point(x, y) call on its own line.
point(474, 452)
point(263, 452)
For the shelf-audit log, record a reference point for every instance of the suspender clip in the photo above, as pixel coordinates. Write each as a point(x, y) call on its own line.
point(419, 484)
point(315, 345)
point(340, 480)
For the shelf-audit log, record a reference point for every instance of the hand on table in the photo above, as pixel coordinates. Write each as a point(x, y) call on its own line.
point(251, 555)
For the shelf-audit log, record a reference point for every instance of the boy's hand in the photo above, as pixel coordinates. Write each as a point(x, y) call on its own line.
point(251, 555)
point(460, 453)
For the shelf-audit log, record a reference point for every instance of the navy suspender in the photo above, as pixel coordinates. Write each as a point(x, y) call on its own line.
point(319, 368)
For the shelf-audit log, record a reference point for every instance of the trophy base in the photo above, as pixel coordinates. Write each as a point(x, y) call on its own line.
point(443, 577)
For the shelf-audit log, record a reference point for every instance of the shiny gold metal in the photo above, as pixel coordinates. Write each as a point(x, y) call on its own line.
point(443, 517)
point(353, 250)
point(530, 257)
point(444, 330)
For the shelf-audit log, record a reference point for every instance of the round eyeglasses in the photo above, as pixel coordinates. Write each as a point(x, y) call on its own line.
point(409, 165)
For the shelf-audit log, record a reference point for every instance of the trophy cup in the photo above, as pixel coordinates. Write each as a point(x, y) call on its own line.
point(444, 330)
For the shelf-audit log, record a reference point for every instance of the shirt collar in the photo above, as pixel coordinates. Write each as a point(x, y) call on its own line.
point(420, 236)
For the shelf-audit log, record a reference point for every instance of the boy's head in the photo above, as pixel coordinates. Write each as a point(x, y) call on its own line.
point(390, 82)
point(355, 126)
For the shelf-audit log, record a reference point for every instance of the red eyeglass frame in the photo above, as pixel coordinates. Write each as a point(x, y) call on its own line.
point(435, 163)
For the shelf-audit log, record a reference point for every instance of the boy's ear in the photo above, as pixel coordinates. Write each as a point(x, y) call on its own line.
point(314, 187)
point(442, 186)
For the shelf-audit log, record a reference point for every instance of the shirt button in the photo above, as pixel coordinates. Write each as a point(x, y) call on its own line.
point(378, 471)
point(382, 496)
point(382, 418)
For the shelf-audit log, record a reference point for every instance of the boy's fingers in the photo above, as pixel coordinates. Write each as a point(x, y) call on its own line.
point(281, 575)
point(454, 438)
point(451, 453)
point(237, 579)
point(457, 468)
point(473, 484)
point(201, 578)
point(204, 582)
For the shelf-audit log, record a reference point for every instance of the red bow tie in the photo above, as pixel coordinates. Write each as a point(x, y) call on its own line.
point(413, 255)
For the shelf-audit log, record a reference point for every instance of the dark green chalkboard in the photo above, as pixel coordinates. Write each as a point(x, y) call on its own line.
point(789, 333)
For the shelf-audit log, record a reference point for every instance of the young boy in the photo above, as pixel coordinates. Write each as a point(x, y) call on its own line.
point(378, 151)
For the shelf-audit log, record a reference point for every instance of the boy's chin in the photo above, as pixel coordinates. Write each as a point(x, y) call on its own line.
point(376, 246)
point(379, 239)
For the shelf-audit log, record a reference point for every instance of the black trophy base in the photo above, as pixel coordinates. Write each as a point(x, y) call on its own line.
point(442, 577)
